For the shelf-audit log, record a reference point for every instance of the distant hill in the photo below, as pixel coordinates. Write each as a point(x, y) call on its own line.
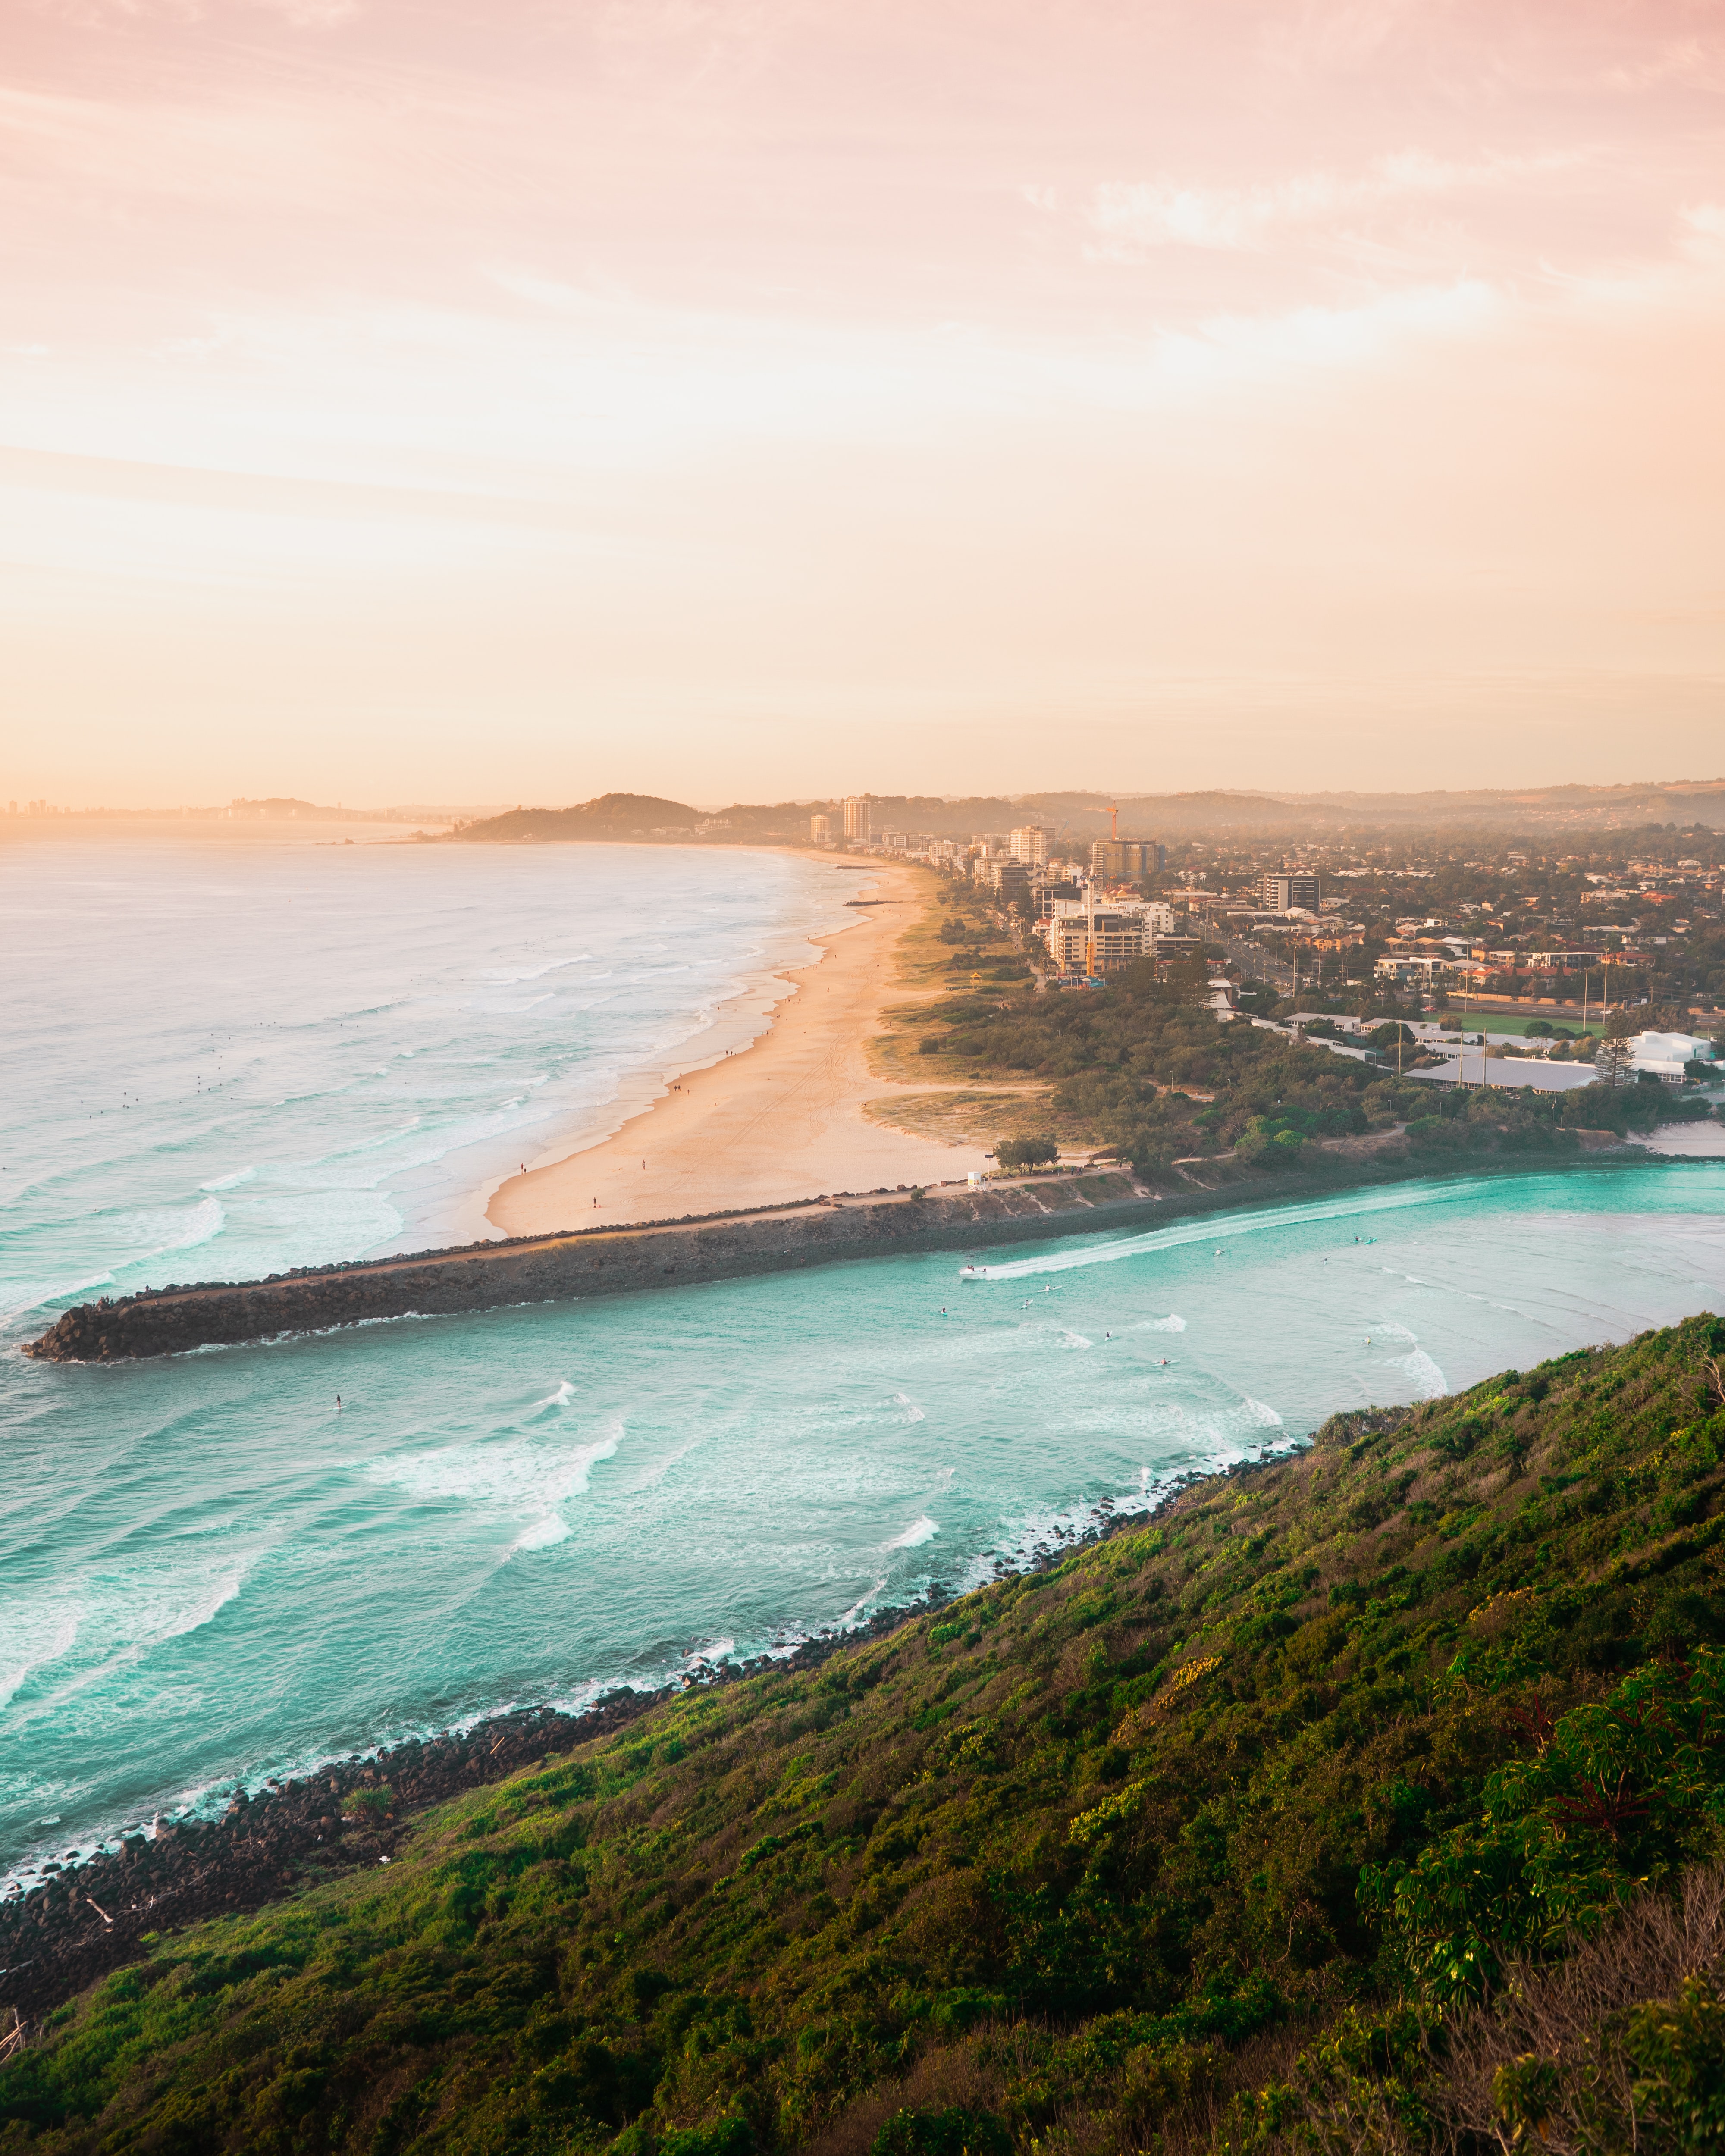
point(1078, 816)
point(611, 816)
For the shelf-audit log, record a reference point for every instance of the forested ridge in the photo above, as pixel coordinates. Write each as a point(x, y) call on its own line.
point(1369, 1797)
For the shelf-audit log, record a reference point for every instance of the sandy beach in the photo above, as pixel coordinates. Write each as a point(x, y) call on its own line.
point(781, 1119)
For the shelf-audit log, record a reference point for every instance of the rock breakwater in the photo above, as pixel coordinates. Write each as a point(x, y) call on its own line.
point(591, 1261)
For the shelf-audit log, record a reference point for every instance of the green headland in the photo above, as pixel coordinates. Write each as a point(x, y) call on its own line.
point(1369, 1797)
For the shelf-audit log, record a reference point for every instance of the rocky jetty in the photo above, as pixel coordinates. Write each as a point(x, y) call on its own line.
point(593, 1261)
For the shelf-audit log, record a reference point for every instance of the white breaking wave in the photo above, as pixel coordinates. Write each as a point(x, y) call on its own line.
point(1222, 1227)
point(518, 1475)
point(1425, 1375)
point(1261, 1413)
point(229, 1182)
point(912, 1412)
point(125, 1615)
point(33, 1641)
point(1168, 1324)
point(854, 1612)
point(552, 1528)
point(164, 1231)
point(506, 979)
point(920, 1531)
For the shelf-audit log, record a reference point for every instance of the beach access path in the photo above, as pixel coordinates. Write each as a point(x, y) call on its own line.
point(780, 1120)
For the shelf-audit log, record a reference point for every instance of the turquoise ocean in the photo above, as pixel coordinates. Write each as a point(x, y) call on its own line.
point(225, 1060)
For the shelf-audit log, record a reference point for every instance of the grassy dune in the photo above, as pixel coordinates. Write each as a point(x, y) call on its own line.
point(1353, 1804)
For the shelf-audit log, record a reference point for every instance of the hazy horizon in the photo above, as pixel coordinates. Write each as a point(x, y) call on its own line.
point(733, 401)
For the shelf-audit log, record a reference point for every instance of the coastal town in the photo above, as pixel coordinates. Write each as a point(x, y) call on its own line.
point(1537, 961)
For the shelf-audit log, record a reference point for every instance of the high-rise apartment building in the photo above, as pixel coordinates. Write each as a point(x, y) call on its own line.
point(1126, 860)
point(856, 820)
point(1094, 943)
point(1286, 889)
point(1030, 845)
point(820, 830)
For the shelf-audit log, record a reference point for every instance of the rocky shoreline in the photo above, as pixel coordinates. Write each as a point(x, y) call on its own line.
point(109, 1909)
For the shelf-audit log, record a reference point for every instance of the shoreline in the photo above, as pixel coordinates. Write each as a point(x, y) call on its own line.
point(334, 1819)
point(734, 1026)
point(772, 1122)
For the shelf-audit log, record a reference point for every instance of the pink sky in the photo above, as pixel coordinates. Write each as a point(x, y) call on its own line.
point(483, 400)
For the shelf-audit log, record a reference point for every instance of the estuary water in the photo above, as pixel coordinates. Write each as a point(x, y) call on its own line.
point(209, 1571)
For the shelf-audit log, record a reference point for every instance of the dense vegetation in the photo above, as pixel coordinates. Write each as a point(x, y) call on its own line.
point(1371, 1798)
point(1154, 1075)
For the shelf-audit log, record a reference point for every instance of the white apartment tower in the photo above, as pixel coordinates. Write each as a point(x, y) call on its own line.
point(856, 820)
point(1030, 845)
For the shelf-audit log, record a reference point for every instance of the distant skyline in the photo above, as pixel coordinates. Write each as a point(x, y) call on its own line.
point(728, 399)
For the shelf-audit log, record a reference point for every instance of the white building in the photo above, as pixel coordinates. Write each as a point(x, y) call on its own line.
point(1030, 845)
point(820, 830)
point(1668, 1055)
point(1157, 919)
point(856, 820)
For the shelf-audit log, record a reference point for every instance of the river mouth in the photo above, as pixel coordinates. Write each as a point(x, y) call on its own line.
point(213, 1573)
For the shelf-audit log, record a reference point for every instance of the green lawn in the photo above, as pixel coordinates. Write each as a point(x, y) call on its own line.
point(1511, 1022)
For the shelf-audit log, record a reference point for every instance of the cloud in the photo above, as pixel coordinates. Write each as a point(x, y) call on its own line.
point(1703, 235)
point(1134, 216)
point(297, 14)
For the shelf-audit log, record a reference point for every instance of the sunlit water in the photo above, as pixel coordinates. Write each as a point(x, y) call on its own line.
point(206, 1571)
